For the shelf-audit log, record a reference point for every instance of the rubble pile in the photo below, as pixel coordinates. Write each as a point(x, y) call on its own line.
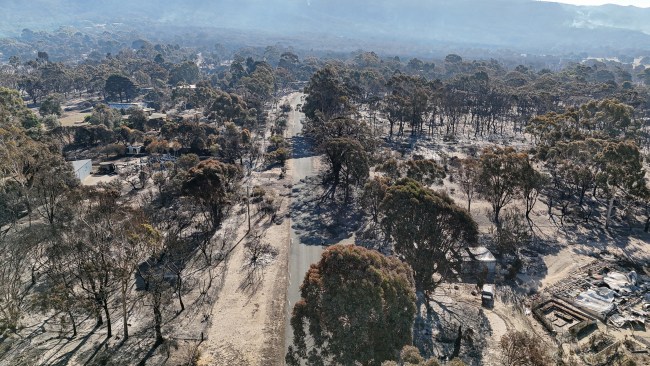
point(608, 291)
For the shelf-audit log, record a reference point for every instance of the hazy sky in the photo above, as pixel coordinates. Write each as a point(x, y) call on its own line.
point(639, 3)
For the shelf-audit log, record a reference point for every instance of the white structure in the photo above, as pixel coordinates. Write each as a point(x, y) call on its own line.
point(133, 149)
point(82, 168)
point(125, 106)
point(477, 260)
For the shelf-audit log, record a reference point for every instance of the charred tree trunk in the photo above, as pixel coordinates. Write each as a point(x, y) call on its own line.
point(98, 312)
point(73, 323)
point(610, 207)
point(157, 318)
point(125, 317)
point(179, 287)
point(109, 329)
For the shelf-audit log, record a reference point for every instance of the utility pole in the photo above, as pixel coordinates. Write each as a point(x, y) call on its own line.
point(248, 204)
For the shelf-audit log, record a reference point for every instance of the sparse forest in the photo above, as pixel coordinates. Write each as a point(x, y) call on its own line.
point(213, 168)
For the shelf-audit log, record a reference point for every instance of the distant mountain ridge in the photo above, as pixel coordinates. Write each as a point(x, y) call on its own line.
point(525, 25)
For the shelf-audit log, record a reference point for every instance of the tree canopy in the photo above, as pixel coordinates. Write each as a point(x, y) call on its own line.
point(357, 306)
point(120, 88)
point(213, 184)
point(327, 96)
point(427, 228)
point(500, 174)
point(348, 164)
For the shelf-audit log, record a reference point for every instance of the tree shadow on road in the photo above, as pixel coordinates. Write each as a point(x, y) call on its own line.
point(321, 222)
point(302, 147)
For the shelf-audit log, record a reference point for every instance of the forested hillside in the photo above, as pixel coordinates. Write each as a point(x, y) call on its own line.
point(426, 24)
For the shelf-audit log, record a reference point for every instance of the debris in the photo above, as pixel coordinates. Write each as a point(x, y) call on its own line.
point(620, 281)
point(600, 301)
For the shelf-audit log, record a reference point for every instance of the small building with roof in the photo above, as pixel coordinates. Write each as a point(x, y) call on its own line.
point(478, 260)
